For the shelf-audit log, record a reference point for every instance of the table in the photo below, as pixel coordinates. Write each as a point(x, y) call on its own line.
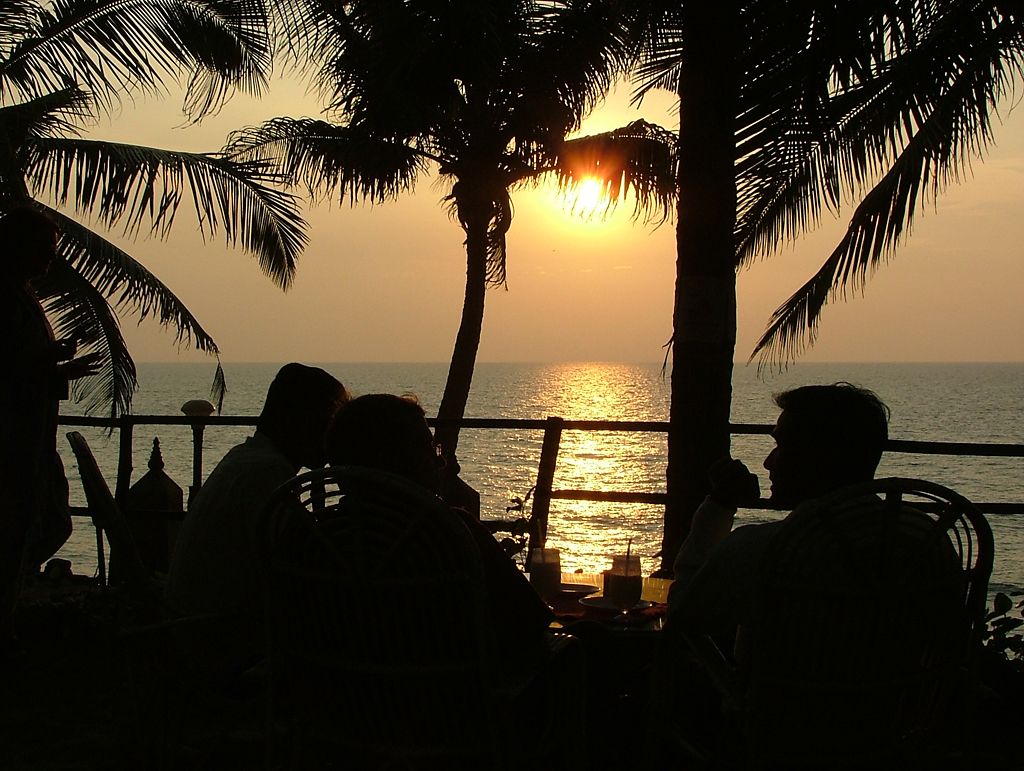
point(618, 660)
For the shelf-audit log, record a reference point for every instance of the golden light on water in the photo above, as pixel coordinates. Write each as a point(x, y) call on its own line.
point(587, 532)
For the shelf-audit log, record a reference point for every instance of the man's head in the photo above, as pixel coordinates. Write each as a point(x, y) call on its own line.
point(827, 437)
point(300, 405)
point(388, 433)
point(28, 238)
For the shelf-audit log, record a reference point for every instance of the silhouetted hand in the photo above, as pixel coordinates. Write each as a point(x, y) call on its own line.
point(733, 484)
point(83, 366)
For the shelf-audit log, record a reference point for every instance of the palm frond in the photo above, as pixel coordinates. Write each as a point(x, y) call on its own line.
point(132, 288)
point(794, 325)
point(50, 115)
point(640, 158)
point(17, 19)
point(586, 43)
point(328, 159)
point(954, 127)
point(813, 152)
point(114, 46)
point(54, 114)
point(219, 389)
point(93, 280)
point(78, 310)
point(469, 204)
point(497, 254)
point(131, 184)
point(655, 34)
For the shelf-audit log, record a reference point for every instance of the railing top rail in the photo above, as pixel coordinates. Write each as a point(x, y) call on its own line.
point(984, 449)
point(158, 420)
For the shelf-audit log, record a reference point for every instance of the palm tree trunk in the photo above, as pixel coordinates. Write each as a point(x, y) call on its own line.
point(475, 219)
point(704, 315)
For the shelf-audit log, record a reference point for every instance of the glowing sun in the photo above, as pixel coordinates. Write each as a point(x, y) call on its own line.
point(588, 197)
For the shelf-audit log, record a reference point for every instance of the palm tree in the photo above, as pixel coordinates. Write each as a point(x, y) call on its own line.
point(787, 109)
point(482, 91)
point(64, 63)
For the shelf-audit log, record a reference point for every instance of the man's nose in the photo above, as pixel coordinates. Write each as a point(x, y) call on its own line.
point(770, 460)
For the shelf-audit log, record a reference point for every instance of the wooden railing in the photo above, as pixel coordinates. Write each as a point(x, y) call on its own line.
point(553, 428)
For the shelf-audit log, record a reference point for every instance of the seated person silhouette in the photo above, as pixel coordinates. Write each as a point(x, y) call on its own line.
point(826, 438)
point(390, 433)
point(215, 568)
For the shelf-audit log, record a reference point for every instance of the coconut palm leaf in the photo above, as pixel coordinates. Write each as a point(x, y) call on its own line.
point(110, 274)
point(54, 114)
point(638, 158)
point(785, 180)
point(130, 184)
point(17, 18)
point(948, 122)
point(587, 44)
point(330, 160)
point(800, 139)
point(78, 310)
point(117, 275)
point(113, 46)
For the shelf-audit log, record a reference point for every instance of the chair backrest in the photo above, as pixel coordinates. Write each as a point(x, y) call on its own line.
point(377, 624)
point(871, 603)
point(107, 516)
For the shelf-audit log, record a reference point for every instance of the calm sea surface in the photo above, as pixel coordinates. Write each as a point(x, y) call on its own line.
point(953, 402)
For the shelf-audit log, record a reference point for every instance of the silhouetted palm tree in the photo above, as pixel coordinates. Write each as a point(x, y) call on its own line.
point(482, 91)
point(787, 109)
point(64, 63)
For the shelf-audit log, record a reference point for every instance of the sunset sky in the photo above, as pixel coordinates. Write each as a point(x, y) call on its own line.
point(385, 283)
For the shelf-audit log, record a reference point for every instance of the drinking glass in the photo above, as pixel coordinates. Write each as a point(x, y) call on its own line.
point(546, 573)
point(624, 583)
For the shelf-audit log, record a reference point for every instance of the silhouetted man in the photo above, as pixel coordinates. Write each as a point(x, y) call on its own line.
point(826, 438)
point(215, 567)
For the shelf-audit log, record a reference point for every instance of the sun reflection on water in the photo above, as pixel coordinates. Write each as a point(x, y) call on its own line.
point(589, 533)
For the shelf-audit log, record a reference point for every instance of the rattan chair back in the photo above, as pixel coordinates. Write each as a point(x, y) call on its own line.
point(871, 604)
point(378, 626)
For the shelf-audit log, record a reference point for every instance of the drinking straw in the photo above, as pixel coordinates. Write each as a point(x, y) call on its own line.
point(629, 546)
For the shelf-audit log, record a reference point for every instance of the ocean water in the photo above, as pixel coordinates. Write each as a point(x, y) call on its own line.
point(950, 402)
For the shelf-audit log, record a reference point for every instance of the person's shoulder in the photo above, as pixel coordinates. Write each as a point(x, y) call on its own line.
point(254, 455)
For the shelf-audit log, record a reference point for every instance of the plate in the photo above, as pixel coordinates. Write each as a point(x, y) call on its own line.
point(604, 603)
point(578, 589)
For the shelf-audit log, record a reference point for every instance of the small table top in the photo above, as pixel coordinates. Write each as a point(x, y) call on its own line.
point(568, 608)
point(655, 589)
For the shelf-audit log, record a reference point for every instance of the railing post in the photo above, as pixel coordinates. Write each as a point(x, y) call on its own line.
point(198, 429)
point(538, 527)
point(124, 461)
point(198, 410)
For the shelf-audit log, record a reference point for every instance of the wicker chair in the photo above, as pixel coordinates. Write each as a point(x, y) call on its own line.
point(871, 603)
point(378, 633)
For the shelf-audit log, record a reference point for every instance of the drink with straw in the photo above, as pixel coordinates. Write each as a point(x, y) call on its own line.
point(624, 584)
